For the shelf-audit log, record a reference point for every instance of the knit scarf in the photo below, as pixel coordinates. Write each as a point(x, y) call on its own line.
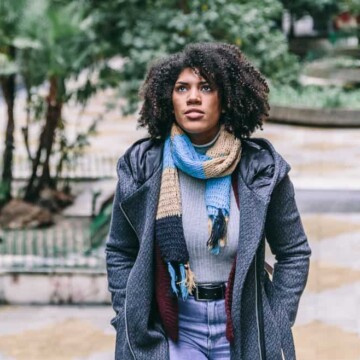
point(215, 167)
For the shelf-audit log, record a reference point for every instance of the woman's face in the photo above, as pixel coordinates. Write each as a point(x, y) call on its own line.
point(196, 106)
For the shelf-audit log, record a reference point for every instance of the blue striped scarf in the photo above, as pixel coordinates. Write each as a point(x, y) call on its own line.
point(215, 167)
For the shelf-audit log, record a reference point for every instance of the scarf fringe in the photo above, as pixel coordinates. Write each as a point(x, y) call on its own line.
point(218, 230)
point(190, 279)
point(182, 283)
point(186, 284)
point(173, 277)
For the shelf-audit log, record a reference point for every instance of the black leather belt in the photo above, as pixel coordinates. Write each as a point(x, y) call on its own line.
point(209, 292)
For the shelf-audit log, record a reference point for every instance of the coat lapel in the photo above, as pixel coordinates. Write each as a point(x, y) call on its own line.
point(141, 206)
point(252, 221)
point(140, 209)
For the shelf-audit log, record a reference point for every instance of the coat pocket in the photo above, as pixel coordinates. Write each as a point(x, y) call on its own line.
point(122, 349)
point(271, 331)
point(281, 318)
point(115, 321)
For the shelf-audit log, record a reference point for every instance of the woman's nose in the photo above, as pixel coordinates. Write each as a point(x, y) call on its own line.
point(194, 96)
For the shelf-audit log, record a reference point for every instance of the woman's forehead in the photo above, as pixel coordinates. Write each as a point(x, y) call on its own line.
point(190, 75)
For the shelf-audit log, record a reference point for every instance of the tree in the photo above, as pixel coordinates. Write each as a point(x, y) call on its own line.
point(141, 31)
point(353, 7)
point(300, 8)
point(10, 14)
point(64, 37)
point(350, 5)
point(45, 43)
point(320, 10)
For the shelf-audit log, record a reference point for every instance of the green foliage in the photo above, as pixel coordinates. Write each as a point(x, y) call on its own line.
point(61, 39)
point(49, 42)
point(51, 38)
point(302, 7)
point(11, 13)
point(350, 5)
point(344, 62)
point(316, 97)
point(142, 31)
point(4, 191)
point(70, 151)
point(7, 66)
point(322, 8)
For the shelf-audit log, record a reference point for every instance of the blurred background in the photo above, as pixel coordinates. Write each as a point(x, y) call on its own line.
point(70, 71)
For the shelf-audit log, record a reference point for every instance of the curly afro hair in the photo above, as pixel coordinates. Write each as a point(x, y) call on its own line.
point(243, 91)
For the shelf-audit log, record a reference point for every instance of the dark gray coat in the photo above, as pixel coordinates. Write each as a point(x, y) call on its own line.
point(262, 311)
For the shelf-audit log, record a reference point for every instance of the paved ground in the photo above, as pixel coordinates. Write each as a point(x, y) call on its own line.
point(56, 333)
point(325, 170)
point(328, 325)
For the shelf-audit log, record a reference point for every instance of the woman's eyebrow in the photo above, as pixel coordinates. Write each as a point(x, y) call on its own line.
point(186, 83)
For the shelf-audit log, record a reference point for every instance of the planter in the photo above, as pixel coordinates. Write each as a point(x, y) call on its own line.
point(54, 287)
point(315, 117)
point(302, 45)
point(348, 51)
point(327, 72)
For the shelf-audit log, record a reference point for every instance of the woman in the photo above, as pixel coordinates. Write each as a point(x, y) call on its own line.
point(193, 207)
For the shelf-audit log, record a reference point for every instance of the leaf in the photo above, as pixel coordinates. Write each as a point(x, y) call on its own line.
point(7, 67)
point(26, 43)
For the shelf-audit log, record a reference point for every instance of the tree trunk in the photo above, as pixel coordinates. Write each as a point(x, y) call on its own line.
point(184, 6)
point(292, 26)
point(25, 129)
point(8, 89)
point(47, 137)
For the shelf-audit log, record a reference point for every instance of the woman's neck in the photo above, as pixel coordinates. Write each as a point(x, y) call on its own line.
point(208, 144)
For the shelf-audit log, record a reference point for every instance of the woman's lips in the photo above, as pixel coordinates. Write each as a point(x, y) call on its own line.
point(194, 115)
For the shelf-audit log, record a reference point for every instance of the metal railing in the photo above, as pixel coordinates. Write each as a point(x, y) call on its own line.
point(87, 166)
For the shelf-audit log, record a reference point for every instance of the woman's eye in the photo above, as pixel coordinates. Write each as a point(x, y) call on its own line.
point(206, 88)
point(181, 88)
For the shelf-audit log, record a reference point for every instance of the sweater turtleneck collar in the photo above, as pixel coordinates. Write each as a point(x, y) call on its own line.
point(204, 147)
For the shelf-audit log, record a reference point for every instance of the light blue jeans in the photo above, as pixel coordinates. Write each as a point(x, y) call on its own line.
point(202, 326)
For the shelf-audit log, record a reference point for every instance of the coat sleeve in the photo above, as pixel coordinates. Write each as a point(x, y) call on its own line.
point(285, 234)
point(121, 250)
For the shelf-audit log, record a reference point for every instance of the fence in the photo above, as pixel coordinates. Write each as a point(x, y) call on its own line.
point(86, 166)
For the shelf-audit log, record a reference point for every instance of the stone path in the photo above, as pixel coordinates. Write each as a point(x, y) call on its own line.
point(320, 158)
point(328, 323)
point(56, 333)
